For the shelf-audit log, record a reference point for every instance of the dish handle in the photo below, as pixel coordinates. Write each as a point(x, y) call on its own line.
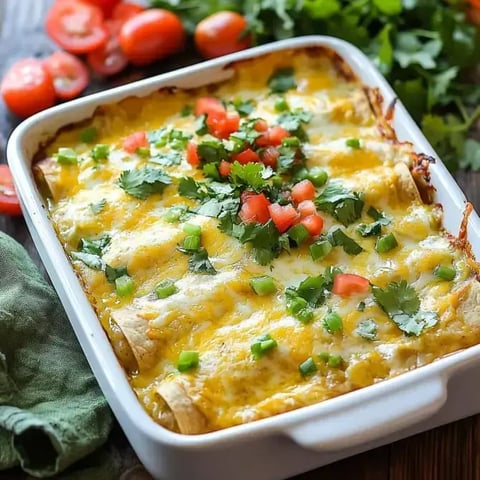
point(358, 422)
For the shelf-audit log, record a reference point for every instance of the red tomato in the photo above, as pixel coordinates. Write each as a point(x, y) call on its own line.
point(304, 190)
point(109, 58)
point(272, 137)
point(261, 125)
point(76, 26)
point(124, 11)
point(27, 87)
point(70, 76)
point(283, 216)
point(345, 284)
point(106, 6)
point(9, 204)
point(222, 127)
point(270, 156)
point(224, 168)
point(192, 154)
point(313, 223)
point(134, 141)
point(222, 33)
point(247, 156)
point(306, 208)
point(151, 35)
point(255, 209)
point(209, 106)
point(475, 3)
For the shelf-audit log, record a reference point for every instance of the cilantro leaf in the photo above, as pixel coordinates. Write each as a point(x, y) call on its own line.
point(97, 207)
point(113, 273)
point(243, 107)
point(293, 121)
point(143, 182)
point(250, 175)
point(212, 151)
point(342, 204)
point(200, 263)
point(367, 329)
point(176, 139)
point(410, 49)
point(415, 324)
point(389, 7)
point(350, 246)
point(375, 228)
point(282, 80)
point(89, 259)
point(397, 298)
point(94, 246)
point(167, 159)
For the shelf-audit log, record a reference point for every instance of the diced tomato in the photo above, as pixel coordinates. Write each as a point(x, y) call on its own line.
point(270, 156)
point(283, 216)
point(247, 156)
point(9, 204)
point(126, 10)
point(209, 106)
point(134, 141)
point(345, 284)
point(255, 209)
point(261, 125)
point(224, 168)
point(192, 154)
point(272, 137)
point(223, 127)
point(304, 190)
point(306, 208)
point(76, 26)
point(313, 223)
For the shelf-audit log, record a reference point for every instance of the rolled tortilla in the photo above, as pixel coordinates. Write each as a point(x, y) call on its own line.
point(406, 186)
point(188, 417)
point(134, 327)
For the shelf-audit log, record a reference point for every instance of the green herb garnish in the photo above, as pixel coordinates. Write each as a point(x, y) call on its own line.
point(143, 182)
point(262, 345)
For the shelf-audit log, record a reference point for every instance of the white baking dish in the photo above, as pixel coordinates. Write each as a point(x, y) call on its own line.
point(282, 445)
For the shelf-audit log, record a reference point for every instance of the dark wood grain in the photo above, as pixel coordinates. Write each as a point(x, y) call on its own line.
point(451, 452)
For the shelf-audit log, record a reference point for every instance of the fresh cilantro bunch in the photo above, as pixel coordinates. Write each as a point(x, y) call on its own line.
point(426, 49)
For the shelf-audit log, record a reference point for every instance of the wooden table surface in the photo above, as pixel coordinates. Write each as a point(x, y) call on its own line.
point(451, 452)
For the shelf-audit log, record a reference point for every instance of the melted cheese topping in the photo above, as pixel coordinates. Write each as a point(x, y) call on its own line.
point(219, 316)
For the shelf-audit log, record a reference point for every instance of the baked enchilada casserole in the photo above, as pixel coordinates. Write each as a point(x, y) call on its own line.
point(258, 245)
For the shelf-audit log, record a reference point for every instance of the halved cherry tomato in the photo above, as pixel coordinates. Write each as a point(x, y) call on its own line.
point(209, 106)
point(151, 35)
point(27, 87)
point(261, 125)
point(270, 156)
point(313, 223)
point(125, 10)
point(192, 154)
point(224, 168)
point(304, 190)
point(345, 284)
point(106, 6)
point(306, 208)
point(222, 127)
point(76, 26)
point(247, 156)
point(255, 209)
point(283, 216)
point(272, 137)
point(9, 204)
point(109, 58)
point(70, 76)
point(222, 33)
point(134, 141)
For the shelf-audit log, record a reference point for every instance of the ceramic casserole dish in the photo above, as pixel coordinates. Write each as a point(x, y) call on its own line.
point(289, 443)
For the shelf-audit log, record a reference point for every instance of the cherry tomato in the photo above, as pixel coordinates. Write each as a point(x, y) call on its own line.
point(255, 209)
point(124, 11)
point(192, 154)
point(222, 33)
point(224, 168)
point(106, 6)
point(247, 156)
point(27, 87)
point(76, 26)
point(283, 216)
point(345, 284)
point(270, 156)
point(313, 223)
point(109, 58)
point(304, 190)
point(9, 204)
point(70, 76)
point(134, 141)
point(151, 35)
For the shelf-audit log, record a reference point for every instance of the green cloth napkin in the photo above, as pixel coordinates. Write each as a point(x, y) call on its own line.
point(52, 412)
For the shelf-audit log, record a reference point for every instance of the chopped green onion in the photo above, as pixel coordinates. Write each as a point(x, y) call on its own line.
point(353, 143)
point(386, 243)
point(191, 243)
point(445, 273)
point(308, 367)
point(100, 152)
point(320, 249)
point(124, 285)
point(173, 214)
point(186, 360)
point(263, 285)
point(262, 345)
point(291, 142)
point(298, 307)
point(324, 356)
point(89, 135)
point(335, 361)
point(332, 322)
point(165, 288)
point(281, 104)
point(298, 233)
point(143, 152)
point(66, 156)
point(192, 229)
